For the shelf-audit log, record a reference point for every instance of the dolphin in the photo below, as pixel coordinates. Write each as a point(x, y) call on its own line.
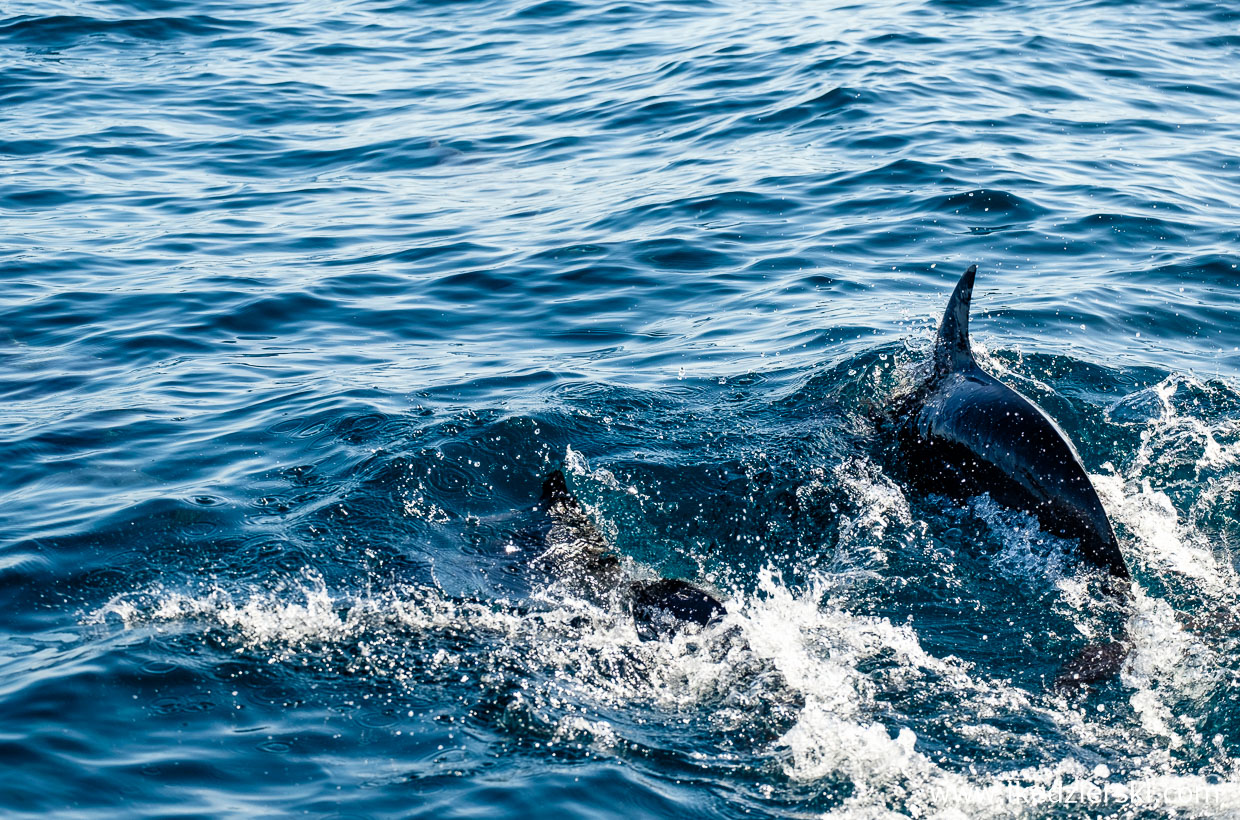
point(578, 553)
point(964, 433)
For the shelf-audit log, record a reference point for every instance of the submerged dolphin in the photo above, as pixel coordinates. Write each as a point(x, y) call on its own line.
point(577, 553)
point(964, 433)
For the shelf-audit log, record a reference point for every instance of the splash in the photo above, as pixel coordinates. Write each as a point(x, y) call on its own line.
point(800, 680)
point(1028, 554)
point(876, 505)
point(795, 657)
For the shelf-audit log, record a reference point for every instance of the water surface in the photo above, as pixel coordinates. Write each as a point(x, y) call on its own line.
point(301, 302)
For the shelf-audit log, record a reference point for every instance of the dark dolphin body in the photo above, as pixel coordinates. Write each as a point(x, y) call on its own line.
point(577, 553)
point(965, 433)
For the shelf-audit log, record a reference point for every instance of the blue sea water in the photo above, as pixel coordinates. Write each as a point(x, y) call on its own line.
point(300, 302)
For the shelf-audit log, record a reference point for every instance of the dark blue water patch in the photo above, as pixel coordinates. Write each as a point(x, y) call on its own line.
point(22, 84)
point(678, 255)
point(904, 38)
point(25, 148)
point(31, 199)
point(67, 31)
point(259, 158)
point(987, 204)
point(768, 113)
point(1137, 227)
point(984, 204)
point(267, 314)
point(1212, 269)
point(548, 10)
point(826, 104)
point(238, 197)
point(1197, 89)
point(292, 102)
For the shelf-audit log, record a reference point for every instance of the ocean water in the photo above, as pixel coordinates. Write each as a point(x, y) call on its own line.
point(302, 301)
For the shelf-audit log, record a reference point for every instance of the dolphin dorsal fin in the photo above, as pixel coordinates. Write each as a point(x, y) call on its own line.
point(951, 348)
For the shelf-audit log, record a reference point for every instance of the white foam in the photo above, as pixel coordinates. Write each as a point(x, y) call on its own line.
point(591, 657)
point(1028, 554)
point(1165, 539)
point(876, 503)
point(1167, 665)
point(1171, 433)
point(1161, 542)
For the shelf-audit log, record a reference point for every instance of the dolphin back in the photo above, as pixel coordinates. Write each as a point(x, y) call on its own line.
point(967, 433)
